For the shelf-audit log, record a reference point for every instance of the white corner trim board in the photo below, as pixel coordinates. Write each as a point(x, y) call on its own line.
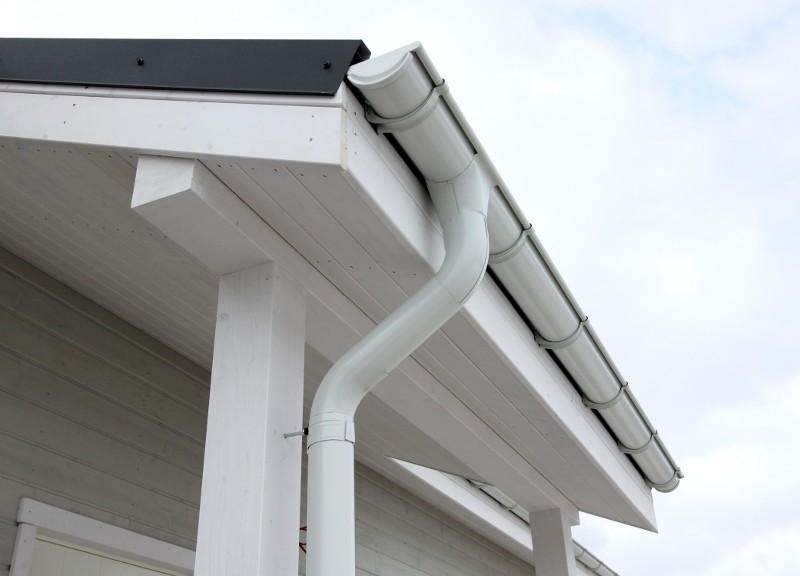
point(38, 519)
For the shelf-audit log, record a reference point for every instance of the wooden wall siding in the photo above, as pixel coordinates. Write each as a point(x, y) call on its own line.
point(95, 416)
point(399, 534)
point(67, 210)
point(102, 420)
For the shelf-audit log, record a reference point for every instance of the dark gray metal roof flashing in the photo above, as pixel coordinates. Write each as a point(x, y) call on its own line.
point(298, 67)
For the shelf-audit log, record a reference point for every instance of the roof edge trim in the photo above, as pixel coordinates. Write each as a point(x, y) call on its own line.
point(300, 67)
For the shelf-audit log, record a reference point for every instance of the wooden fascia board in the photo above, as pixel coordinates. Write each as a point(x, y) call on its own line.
point(185, 125)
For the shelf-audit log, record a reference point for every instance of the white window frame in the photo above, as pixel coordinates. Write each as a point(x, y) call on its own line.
point(39, 519)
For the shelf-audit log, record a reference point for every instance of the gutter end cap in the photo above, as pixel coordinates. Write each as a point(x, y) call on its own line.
point(382, 71)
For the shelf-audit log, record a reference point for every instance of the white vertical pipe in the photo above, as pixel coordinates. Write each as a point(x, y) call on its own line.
point(401, 91)
point(462, 204)
point(330, 508)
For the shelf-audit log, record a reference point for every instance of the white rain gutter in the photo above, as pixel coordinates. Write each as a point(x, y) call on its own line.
point(410, 102)
point(522, 267)
point(526, 272)
point(408, 98)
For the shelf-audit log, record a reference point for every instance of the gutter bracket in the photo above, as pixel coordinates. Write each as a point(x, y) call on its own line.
point(607, 404)
point(410, 120)
point(511, 251)
point(555, 345)
point(665, 487)
point(641, 448)
point(335, 427)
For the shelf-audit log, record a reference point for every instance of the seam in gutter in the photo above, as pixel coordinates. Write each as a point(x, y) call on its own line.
point(667, 486)
point(608, 404)
point(641, 448)
point(607, 357)
point(511, 251)
point(557, 345)
point(410, 120)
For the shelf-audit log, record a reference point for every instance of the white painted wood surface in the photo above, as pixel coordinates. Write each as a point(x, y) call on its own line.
point(182, 198)
point(58, 559)
point(335, 322)
point(337, 222)
point(95, 416)
point(127, 407)
point(250, 505)
point(553, 552)
point(68, 211)
point(251, 480)
point(75, 530)
point(243, 130)
point(23, 550)
point(360, 224)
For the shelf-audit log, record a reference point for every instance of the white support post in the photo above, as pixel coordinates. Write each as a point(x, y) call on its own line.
point(250, 500)
point(553, 552)
point(22, 557)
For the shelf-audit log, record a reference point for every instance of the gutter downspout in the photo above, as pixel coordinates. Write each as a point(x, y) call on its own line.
point(398, 87)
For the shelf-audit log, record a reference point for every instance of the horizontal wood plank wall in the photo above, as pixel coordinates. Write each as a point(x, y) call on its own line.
point(100, 419)
point(96, 417)
point(398, 534)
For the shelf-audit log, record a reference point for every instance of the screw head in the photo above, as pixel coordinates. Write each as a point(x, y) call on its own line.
point(326, 64)
point(140, 61)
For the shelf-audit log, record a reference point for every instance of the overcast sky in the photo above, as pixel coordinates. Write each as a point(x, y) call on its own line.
point(655, 146)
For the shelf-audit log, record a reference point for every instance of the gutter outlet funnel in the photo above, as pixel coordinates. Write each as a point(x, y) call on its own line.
point(404, 99)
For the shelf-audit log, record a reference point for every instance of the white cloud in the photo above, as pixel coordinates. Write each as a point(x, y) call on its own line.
point(691, 28)
point(772, 552)
point(620, 181)
point(672, 219)
point(657, 189)
point(768, 93)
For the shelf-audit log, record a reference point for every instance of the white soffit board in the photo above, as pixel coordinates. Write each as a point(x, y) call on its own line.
point(67, 211)
point(63, 212)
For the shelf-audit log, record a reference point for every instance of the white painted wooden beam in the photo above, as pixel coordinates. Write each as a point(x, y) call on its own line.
point(39, 519)
point(23, 550)
point(250, 501)
point(553, 552)
point(472, 507)
point(183, 199)
point(298, 129)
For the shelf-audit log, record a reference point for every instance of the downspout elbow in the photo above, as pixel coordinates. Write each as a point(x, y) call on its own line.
point(462, 206)
point(399, 87)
